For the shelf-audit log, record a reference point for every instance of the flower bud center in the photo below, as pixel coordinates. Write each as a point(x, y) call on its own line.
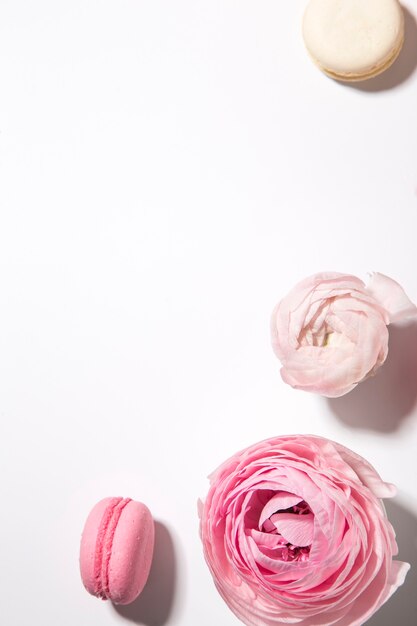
point(293, 528)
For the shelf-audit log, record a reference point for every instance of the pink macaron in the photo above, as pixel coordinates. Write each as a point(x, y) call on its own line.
point(116, 549)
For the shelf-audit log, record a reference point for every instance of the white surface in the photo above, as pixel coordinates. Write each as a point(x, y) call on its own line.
point(168, 171)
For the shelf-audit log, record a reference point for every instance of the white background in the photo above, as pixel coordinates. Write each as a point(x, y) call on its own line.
point(169, 170)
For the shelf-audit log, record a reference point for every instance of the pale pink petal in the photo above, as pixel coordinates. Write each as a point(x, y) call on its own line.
point(326, 371)
point(392, 297)
point(268, 540)
point(281, 501)
point(301, 303)
point(367, 474)
point(296, 529)
point(396, 578)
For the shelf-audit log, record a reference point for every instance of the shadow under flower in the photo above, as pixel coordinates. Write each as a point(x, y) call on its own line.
point(153, 606)
point(383, 401)
point(404, 66)
point(401, 608)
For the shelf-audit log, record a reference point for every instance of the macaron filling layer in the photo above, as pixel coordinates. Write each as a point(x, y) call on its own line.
point(104, 544)
point(375, 71)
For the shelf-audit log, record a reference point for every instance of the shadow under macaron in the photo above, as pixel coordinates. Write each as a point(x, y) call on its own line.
point(153, 606)
point(381, 403)
point(402, 69)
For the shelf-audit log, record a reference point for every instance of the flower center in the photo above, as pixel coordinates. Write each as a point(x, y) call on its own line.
point(289, 523)
point(327, 339)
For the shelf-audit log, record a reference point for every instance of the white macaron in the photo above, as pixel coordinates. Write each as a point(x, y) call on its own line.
point(353, 40)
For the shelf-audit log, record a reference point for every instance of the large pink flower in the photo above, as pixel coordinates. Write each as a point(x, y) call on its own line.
point(294, 532)
point(330, 332)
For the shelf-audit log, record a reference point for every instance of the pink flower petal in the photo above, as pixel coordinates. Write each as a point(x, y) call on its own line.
point(392, 297)
point(367, 474)
point(281, 501)
point(296, 529)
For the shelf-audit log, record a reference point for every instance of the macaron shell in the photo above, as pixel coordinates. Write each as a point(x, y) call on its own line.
point(353, 39)
point(131, 554)
point(88, 546)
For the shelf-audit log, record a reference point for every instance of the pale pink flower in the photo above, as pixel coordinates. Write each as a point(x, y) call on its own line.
point(294, 532)
point(330, 332)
